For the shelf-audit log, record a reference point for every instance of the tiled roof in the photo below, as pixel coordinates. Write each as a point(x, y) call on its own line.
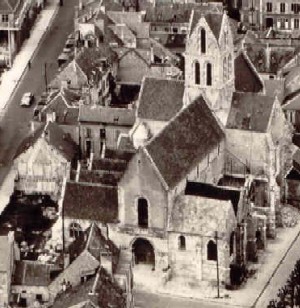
point(107, 115)
point(185, 141)
point(65, 105)
point(89, 58)
point(32, 273)
point(200, 215)
point(213, 192)
point(160, 99)
point(274, 88)
point(246, 76)
point(214, 21)
point(54, 135)
point(250, 111)
point(90, 201)
point(293, 103)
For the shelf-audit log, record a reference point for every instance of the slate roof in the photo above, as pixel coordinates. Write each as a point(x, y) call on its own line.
point(250, 111)
point(199, 215)
point(32, 273)
point(55, 136)
point(90, 201)
point(185, 141)
point(214, 21)
point(246, 76)
point(160, 99)
point(4, 255)
point(107, 115)
point(213, 192)
point(65, 105)
point(89, 58)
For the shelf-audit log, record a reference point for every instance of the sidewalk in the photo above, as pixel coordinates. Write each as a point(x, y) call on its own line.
point(12, 77)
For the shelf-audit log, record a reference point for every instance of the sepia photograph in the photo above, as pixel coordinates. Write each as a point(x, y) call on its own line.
point(149, 153)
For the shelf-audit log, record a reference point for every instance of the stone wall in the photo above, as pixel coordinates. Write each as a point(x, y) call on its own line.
point(141, 181)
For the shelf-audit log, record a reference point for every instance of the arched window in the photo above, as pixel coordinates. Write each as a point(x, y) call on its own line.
point(231, 244)
point(208, 74)
point(142, 213)
point(197, 73)
point(181, 242)
point(75, 230)
point(212, 252)
point(203, 40)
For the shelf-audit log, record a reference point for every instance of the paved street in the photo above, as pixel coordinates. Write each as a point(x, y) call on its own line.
point(16, 122)
point(148, 300)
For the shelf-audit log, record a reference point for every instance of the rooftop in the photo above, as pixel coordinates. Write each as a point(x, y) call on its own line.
point(160, 99)
point(250, 111)
point(200, 215)
point(90, 201)
point(213, 192)
point(185, 141)
point(107, 115)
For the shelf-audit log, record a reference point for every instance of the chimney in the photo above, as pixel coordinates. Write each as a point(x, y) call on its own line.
point(32, 127)
point(151, 54)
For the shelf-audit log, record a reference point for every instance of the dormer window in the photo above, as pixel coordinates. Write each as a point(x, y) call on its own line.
point(203, 40)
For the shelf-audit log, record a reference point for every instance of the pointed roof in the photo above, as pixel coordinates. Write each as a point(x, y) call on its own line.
point(214, 21)
point(185, 141)
point(8, 5)
point(54, 136)
point(247, 78)
point(250, 111)
point(160, 99)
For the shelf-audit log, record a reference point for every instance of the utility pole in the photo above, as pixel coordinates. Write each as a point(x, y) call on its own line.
point(218, 278)
point(45, 77)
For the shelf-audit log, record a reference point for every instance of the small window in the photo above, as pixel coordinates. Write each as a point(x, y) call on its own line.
point(181, 242)
point(197, 73)
point(75, 230)
point(142, 213)
point(269, 7)
point(212, 252)
point(208, 74)
point(296, 23)
point(203, 40)
point(4, 18)
point(282, 7)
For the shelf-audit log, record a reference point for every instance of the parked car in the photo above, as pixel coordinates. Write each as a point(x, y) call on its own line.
point(27, 99)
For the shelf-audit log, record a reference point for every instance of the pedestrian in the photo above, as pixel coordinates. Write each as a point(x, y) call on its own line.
point(64, 285)
point(29, 65)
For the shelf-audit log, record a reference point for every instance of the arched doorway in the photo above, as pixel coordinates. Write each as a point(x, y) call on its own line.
point(143, 252)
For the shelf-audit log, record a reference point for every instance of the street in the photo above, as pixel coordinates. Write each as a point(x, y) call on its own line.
point(15, 124)
point(149, 300)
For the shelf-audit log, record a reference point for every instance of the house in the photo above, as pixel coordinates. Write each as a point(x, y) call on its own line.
point(30, 283)
point(100, 127)
point(281, 16)
point(91, 71)
point(43, 161)
point(259, 143)
point(92, 254)
point(62, 108)
point(16, 19)
point(9, 254)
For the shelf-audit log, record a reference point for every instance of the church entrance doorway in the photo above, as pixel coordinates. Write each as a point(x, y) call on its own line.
point(143, 252)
